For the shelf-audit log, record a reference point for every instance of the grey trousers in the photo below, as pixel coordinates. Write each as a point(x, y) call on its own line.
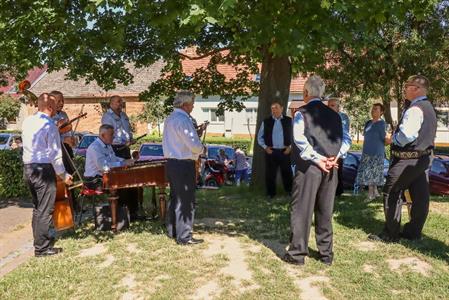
point(181, 207)
point(313, 193)
point(41, 180)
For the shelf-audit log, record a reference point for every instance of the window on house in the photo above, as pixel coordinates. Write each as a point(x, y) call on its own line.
point(212, 115)
point(251, 114)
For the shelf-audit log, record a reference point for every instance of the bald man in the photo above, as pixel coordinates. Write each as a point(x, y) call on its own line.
point(123, 137)
point(42, 159)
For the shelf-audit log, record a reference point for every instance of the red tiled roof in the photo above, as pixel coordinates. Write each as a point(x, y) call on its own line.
point(189, 66)
point(32, 76)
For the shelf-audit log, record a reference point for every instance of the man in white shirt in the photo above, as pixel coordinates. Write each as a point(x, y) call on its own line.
point(100, 157)
point(182, 148)
point(42, 159)
point(123, 138)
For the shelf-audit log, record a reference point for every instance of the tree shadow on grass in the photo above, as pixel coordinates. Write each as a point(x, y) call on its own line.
point(353, 213)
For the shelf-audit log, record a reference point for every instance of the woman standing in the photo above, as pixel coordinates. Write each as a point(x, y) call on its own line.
point(370, 171)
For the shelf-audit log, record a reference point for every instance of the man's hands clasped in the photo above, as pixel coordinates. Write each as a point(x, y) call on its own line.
point(328, 163)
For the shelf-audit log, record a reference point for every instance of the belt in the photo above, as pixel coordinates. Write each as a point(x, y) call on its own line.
point(410, 154)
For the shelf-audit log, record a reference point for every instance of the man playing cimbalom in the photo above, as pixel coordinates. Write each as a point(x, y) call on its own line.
point(319, 141)
point(411, 151)
point(100, 156)
point(123, 138)
point(275, 137)
point(182, 147)
point(42, 159)
point(334, 103)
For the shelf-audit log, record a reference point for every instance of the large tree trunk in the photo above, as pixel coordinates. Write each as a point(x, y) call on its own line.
point(274, 85)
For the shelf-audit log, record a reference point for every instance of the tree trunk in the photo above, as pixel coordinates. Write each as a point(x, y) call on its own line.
point(274, 86)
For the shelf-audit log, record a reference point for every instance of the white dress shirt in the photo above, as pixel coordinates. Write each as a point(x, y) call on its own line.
point(180, 139)
point(307, 151)
point(98, 157)
point(410, 125)
point(41, 142)
point(122, 127)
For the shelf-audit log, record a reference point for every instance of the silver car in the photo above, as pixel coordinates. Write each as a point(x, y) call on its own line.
point(7, 140)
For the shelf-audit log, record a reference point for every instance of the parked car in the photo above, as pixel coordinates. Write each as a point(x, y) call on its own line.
point(212, 151)
point(7, 139)
point(85, 142)
point(350, 166)
point(439, 175)
point(150, 151)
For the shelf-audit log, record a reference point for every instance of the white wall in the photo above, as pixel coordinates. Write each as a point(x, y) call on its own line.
point(235, 123)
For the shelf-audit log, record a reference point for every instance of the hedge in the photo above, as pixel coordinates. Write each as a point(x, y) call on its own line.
point(12, 184)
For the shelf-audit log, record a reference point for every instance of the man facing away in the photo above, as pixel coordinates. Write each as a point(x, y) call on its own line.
point(42, 159)
point(319, 141)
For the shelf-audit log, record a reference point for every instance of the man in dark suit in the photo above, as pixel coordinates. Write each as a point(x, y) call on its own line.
point(275, 137)
point(319, 141)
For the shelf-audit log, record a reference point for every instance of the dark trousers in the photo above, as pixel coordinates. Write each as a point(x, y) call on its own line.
point(274, 161)
point(340, 188)
point(181, 207)
point(41, 180)
point(128, 197)
point(313, 193)
point(406, 174)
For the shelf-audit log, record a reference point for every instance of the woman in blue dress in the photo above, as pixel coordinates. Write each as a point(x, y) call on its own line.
point(370, 171)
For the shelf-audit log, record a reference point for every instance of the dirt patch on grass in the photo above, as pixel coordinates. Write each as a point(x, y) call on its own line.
point(368, 268)
point(130, 284)
point(107, 262)
point(208, 291)
point(132, 248)
point(412, 263)
point(366, 246)
point(237, 267)
point(308, 287)
point(92, 251)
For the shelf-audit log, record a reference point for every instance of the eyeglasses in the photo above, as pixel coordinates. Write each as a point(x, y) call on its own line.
point(409, 84)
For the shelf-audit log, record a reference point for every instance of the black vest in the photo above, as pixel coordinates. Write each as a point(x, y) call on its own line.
point(323, 129)
point(427, 132)
point(268, 125)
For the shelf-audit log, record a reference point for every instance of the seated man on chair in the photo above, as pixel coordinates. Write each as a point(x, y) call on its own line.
point(100, 157)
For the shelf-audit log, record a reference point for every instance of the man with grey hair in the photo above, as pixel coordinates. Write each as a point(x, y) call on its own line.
point(100, 156)
point(319, 140)
point(411, 156)
point(182, 147)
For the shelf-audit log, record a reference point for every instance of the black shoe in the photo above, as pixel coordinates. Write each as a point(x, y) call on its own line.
point(382, 237)
point(289, 259)
point(326, 260)
point(410, 238)
point(48, 252)
point(192, 241)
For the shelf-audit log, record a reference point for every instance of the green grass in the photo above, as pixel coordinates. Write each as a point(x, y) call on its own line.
point(164, 270)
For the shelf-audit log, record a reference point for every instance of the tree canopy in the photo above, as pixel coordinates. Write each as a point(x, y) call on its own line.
point(95, 40)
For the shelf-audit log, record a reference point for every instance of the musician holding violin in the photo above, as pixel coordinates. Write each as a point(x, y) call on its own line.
point(122, 139)
point(42, 158)
point(182, 147)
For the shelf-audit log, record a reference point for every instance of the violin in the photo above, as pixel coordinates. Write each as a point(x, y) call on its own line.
point(65, 126)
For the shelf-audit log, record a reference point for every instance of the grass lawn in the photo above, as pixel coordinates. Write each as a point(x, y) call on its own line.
point(244, 237)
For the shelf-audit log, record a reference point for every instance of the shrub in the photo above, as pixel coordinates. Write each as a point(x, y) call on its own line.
point(12, 184)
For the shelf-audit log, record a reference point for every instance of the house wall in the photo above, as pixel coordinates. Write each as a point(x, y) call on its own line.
point(234, 124)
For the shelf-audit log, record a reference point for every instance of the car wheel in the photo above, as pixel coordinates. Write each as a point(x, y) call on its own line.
point(212, 182)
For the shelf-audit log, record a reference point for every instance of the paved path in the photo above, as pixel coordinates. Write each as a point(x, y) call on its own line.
point(16, 238)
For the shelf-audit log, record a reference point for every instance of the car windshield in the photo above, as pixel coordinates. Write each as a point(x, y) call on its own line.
point(4, 139)
point(86, 141)
point(151, 150)
point(212, 152)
